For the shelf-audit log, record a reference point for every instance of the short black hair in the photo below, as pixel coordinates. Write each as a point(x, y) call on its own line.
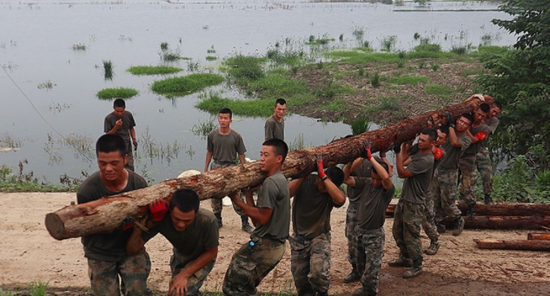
point(186, 200)
point(110, 143)
point(279, 147)
point(280, 102)
point(484, 107)
point(498, 104)
point(336, 175)
point(443, 129)
point(226, 111)
point(384, 165)
point(119, 103)
point(468, 116)
point(432, 134)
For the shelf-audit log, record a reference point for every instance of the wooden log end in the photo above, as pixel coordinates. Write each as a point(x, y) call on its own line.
point(55, 226)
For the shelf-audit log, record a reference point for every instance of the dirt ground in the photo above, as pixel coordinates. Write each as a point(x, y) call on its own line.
point(28, 254)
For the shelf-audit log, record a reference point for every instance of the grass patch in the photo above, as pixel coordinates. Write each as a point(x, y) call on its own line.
point(153, 70)
point(384, 104)
point(336, 105)
point(116, 93)
point(286, 57)
point(244, 69)
point(407, 79)
point(439, 90)
point(79, 46)
point(359, 56)
point(252, 108)
point(108, 70)
point(26, 182)
point(181, 86)
point(211, 58)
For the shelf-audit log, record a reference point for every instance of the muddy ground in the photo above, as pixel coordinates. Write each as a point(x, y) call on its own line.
point(28, 254)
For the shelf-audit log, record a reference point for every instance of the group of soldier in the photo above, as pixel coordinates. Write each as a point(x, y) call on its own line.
point(430, 169)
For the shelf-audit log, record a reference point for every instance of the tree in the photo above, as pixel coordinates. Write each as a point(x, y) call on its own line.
point(520, 79)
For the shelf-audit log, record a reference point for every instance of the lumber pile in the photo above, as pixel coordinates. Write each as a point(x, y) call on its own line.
point(536, 241)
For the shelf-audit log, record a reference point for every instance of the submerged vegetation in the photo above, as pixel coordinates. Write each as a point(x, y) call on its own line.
point(116, 93)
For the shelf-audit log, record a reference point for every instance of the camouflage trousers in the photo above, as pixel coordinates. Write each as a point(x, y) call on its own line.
point(369, 249)
point(195, 281)
point(250, 264)
point(310, 264)
point(351, 222)
point(467, 165)
point(485, 168)
point(217, 205)
point(444, 190)
point(130, 164)
point(133, 271)
point(428, 219)
point(407, 221)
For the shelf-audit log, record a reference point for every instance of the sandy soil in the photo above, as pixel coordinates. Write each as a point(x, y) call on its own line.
point(29, 254)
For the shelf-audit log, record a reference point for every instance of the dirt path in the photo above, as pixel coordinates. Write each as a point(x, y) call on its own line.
point(29, 254)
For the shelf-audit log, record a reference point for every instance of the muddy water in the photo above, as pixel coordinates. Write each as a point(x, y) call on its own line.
point(53, 92)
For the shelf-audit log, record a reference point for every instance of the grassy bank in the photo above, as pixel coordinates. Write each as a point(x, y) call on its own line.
point(182, 86)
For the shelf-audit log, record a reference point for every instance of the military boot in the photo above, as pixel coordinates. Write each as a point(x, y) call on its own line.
point(433, 248)
point(471, 210)
point(440, 227)
point(488, 199)
point(401, 262)
point(353, 276)
point(459, 226)
point(412, 272)
point(219, 218)
point(245, 226)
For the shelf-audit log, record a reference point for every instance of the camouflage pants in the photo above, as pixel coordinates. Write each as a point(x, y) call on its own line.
point(133, 271)
point(351, 222)
point(444, 194)
point(485, 168)
point(249, 265)
point(369, 248)
point(407, 221)
point(310, 264)
point(130, 164)
point(217, 205)
point(467, 165)
point(428, 219)
point(195, 281)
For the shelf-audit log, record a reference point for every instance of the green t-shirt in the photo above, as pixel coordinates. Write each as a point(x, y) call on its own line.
point(371, 213)
point(416, 188)
point(274, 194)
point(193, 241)
point(106, 246)
point(274, 129)
point(311, 210)
point(474, 148)
point(127, 123)
point(450, 160)
point(225, 148)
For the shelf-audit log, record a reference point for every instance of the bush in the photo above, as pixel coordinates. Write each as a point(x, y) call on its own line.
point(428, 48)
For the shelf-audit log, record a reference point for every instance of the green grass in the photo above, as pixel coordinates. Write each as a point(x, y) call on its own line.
point(211, 58)
point(116, 93)
point(439, 90)
point(286, 57)
point(336, 105)
point(79, 46)
point(108, 68)
point(153, 70)
point(244, 69)
point(252, 108)
point(181, 86)
point(407, 79)
point(383, 104)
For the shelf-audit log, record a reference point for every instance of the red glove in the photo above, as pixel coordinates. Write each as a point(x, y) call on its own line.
point(158, 209)
point(438, 153)
point(126, 224)
point(320, 168)
point(367, 150)
point(481, 135)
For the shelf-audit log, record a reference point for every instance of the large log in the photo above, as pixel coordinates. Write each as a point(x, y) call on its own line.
point(538, 236)
point(105, 214)
point(506, 222)
point(500, 209)
point(531, 245)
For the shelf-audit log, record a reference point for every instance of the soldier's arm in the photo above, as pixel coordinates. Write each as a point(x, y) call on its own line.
point(258, 215)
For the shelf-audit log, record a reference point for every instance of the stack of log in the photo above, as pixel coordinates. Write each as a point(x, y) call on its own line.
point(536, 241)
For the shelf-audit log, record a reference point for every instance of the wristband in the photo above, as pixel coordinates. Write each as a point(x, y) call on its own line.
point(324, 178)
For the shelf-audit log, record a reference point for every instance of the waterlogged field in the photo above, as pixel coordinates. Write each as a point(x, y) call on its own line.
point(56, 57)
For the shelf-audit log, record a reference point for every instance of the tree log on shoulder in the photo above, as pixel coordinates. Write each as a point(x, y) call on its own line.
point(106, 214)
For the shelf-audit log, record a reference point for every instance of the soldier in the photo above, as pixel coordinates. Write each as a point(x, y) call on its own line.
point(193, 232)
point(410, 209)
point(223, 145)
point(271, 215)
point(467, 163)
point(106, 252)
point(483, 160)
point(375, 195)
point(314, 198)
point(275, 125)
point(446, 175)
point(121, 122)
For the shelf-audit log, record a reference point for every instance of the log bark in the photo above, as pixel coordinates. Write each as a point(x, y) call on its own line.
point(506, 222)
point(507, 209)
point(530, 245)
point(105, 214)
point(538, 236)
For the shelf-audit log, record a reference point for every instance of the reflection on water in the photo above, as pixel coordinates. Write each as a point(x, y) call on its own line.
point(60, 56)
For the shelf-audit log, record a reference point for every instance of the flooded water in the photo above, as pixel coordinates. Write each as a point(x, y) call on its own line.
point(48, 89)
